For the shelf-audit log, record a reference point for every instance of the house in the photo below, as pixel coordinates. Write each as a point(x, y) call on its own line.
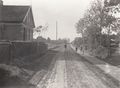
point(16, 22)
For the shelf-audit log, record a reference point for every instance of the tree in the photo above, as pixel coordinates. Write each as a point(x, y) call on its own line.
point(93, 18)
point(112, 2)
point(38, 30)
point(93, 35)
point(97, 18)
point(111, 21)
point(48, 39)
point(78, 41)
point(80, 26)
point(91, 24)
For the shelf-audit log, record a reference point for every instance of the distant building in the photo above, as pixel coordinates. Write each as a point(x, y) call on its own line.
point(16, 22)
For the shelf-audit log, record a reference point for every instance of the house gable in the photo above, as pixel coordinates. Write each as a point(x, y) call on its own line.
point(17, 23)
point(28, 19)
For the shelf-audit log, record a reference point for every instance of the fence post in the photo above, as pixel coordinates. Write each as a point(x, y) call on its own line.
point(10, 53)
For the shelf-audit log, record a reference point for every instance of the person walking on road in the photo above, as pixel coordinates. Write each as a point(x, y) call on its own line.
point(76, 49)
point(65, 46)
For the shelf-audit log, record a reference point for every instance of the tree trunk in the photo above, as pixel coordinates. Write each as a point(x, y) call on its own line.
point(109, 53)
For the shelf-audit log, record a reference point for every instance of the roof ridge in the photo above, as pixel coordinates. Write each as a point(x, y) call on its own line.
point(26, 14)
point(18, 5)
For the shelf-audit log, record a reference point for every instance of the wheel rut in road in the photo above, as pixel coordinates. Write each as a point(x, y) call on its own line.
point(71, 71)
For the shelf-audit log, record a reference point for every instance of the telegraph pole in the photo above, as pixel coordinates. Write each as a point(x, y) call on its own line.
point(56, 30)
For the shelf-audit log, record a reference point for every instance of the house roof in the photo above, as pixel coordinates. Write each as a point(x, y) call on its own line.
point(14, 13)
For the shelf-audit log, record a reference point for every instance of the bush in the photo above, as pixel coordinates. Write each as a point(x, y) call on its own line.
point(100, 52)
point(4, 75)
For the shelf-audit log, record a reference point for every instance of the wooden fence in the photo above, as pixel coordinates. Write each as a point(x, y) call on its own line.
point(10, 50)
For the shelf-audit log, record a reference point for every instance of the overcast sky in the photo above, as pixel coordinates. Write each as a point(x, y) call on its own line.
point(66, 12)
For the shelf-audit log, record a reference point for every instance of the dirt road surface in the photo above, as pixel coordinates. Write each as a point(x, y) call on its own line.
point(70, 70)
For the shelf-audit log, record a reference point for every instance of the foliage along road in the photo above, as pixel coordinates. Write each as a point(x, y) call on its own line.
point(70, 70)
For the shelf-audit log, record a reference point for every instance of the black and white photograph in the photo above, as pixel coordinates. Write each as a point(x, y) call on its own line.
point(59, 43)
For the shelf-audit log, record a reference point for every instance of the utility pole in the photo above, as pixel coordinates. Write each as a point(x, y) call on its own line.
point(56, 30)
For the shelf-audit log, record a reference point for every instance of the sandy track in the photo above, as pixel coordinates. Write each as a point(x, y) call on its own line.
point(71, 71)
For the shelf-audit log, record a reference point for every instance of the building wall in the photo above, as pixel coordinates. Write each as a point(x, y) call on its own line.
point(14, 31)
point(0, 31)
point(28, 33)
